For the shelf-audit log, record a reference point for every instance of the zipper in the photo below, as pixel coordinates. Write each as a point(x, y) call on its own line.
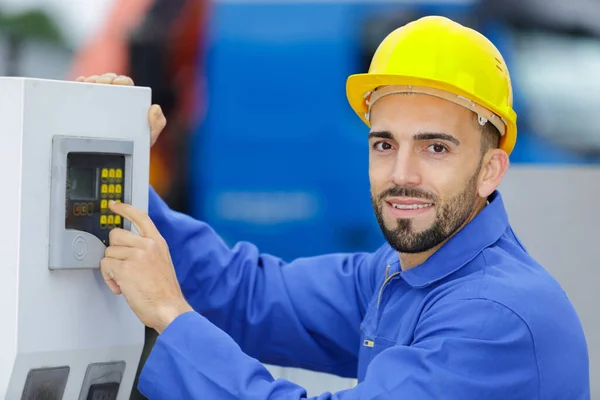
point(387, 280)
point(371, 343)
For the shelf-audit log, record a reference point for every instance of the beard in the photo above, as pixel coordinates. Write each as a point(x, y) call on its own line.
point(450, 216)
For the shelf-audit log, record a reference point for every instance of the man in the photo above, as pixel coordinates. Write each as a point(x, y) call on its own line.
point(451, 307)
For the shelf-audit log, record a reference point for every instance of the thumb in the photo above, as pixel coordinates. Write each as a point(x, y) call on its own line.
point(112, 285)
point(106, 267)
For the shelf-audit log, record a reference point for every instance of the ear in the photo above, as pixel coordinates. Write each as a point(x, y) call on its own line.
point(493, 167)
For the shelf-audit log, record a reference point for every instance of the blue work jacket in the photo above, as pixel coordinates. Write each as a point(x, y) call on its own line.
point(480, 319)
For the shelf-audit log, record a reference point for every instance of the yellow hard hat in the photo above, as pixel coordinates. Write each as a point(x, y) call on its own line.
point(437, 56)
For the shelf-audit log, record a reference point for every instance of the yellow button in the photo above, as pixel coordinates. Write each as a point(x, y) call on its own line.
point(117, 200)
point(104, 174)
point(111, 173)
point(104, 204)
point(104, 188)
point(103, 221)
point(111, 188)
point(111, 219)
point(117, 220)
point(118, 189)
point(119, 173)
point(83, 209)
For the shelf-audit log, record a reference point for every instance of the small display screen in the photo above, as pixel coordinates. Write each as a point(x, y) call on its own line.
point(83, 183)
point(93, 180)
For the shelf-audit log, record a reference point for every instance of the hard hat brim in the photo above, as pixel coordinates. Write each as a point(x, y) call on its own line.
point(359, 86)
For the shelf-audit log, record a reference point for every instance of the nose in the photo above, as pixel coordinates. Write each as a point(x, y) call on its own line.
point(406, 170)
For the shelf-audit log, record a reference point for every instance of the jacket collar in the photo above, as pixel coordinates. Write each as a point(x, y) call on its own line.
point(484, 230)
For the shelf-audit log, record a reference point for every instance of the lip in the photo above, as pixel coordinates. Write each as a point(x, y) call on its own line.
point(407, 213)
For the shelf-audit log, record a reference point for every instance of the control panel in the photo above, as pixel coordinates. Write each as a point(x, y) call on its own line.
point(92, 181)
point(87, 174)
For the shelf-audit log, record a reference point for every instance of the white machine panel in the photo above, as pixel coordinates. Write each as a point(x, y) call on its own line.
point(67, 149)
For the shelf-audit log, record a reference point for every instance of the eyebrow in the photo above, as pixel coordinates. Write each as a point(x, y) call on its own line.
point(381, 135)
point(436, 136)
point(418, 136)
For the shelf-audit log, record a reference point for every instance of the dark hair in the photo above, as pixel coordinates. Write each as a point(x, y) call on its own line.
point(490, 136)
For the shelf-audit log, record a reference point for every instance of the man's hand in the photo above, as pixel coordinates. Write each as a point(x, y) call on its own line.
point(140, 268)
point(157, 119)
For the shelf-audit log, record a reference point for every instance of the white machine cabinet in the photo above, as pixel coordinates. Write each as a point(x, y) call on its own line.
point(66, 149)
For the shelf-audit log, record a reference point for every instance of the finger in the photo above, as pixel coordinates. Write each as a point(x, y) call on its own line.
point(80, 79)
point(158, 121)
point(107, 78)
point(123, 80)
point(138, 218)
point(91, 79)
point(124, 238)
point(112, 285)
point(107, 267)
point(121, 253)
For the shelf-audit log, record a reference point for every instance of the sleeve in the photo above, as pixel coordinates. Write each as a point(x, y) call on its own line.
point(467, 350)
point(304, 314)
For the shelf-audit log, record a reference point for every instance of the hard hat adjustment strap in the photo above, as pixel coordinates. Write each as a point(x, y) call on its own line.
point(483, 114)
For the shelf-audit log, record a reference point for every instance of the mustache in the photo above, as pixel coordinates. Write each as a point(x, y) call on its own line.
point(398, 191)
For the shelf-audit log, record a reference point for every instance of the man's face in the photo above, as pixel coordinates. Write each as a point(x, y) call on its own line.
point(424, 164)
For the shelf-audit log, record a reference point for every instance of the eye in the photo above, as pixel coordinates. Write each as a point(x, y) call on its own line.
point(437, 148)
point(382, 146)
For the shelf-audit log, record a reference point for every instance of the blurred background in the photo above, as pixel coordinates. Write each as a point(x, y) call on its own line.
point(262, 144)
